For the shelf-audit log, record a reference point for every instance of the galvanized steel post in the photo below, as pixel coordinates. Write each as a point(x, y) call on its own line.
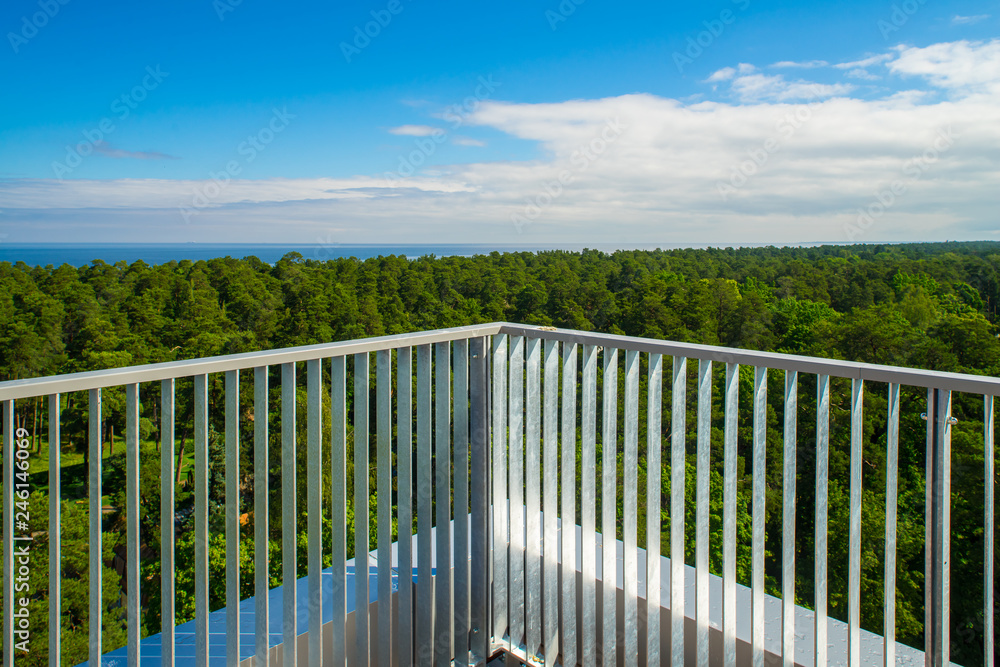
point(937, 587)
point(479, 617)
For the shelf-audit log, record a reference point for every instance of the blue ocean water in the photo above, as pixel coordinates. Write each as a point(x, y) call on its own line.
point(82, 254)
point(77, 254)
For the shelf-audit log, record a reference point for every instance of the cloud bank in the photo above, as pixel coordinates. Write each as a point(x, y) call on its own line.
point(902, 145)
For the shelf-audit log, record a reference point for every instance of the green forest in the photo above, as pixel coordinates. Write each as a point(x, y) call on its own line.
point(931, 306)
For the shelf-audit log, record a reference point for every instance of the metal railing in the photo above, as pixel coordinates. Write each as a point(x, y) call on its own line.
point(504, 430)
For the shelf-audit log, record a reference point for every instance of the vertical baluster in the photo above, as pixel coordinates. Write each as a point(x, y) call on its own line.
point(588, 512)
point(891, 495)
point(788, 521)
point(937, 576)
point(702, 508)
point(462, 545)
point(943, 545)
point(425, 603)
point(759, 454)
point(854, 570)
point(678, 464)
point(501, 535)
point(96, 547)
point(261, 518)
point(516, 469)
point(654, 474)
point(730, 456)
point(988, 555)
point(822, 477)
point(338, 507)
point(383, 430)
point(550, 485)
point(532, 471)
point(569, 487)
point(232, 518)
point(167, 539)
point(404, 502)
point(289, 517)
point(630, 510)
point(443, 623)
point(314, 505)
point(362, 596)
point(929, 523)
point(55, 542)
point(609, 504)
point(133, 606)
point(479, 445)
point(201, 608)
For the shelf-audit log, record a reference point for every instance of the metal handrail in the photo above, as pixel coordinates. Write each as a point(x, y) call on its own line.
point(916, 377)
point(499, 382)
point(115, 377)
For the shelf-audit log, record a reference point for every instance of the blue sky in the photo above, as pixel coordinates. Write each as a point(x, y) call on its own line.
point(521, 122)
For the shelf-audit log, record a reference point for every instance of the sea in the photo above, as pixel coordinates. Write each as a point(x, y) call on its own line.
point(83, 254)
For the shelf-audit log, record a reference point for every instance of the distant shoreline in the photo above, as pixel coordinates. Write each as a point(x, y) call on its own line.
point(82, 254)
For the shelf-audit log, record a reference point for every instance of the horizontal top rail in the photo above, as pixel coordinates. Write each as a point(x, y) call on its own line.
point(114, 377)
point(974, 384)
point(18, 389)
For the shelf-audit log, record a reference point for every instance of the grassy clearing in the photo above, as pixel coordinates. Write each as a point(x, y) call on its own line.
point(74, 474)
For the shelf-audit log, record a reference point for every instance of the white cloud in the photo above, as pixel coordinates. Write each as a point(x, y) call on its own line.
point(807, 64)
point(963, 68)
point(865, 62)
point(758, 87)
point(968, 20)
point(415, 130)
point(468, 141)
point(858, 69)
point(656, 181)
point(862, 74)
point(727, 73)
point(171, 194)
point(724, 74)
